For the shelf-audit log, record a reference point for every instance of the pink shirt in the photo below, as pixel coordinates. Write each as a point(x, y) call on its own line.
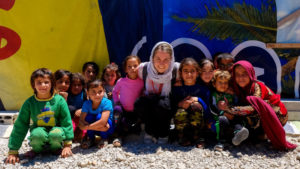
point(126, 91)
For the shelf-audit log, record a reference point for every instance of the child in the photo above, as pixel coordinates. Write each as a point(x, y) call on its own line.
point(110, 76)
point(75, 101)
point(188, 103)
point(259, 105)
point(96, 116)
point(221, 101)
point(154, 108)
point(126, 91)
point(90, 71)
point(62, 82)
point(224, 61)
point(206, 72)
point(47, 116)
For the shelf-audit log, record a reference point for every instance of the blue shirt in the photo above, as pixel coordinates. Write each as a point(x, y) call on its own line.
point(76, 100)
point(105, 105)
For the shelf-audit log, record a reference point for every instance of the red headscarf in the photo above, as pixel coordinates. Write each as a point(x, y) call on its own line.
point(242, 93)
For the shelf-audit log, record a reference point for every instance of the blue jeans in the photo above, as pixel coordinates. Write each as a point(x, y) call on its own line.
point(91, 118)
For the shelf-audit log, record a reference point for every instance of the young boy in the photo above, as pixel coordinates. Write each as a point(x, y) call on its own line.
point(224, 61)
point(47, 116)
point(221, 101)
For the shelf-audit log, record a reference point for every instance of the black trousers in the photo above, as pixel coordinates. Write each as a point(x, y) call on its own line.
point(156, 113)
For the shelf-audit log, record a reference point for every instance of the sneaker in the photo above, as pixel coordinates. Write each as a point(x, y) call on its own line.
point(240, 136)
point(148, 139)
point(219, 147)
point(162, 140)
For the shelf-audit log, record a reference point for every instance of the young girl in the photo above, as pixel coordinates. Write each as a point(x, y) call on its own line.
point(206, 72)
point(190, 101)
point(110, 76)
point(90, 71)
point(96, 116)
point(126, 91)
point(75, 101)
point(62, 82)
point(47, 116)
point(154, 108)
point(259, 105)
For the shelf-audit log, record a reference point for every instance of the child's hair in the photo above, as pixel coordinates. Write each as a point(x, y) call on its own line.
point(130, 57)
point(61, 73)
point(114, 67)
point(165, 47)
point(223, 56)
point(42, 72)
point(77, 76)
point(221, 74)
point(94, 66)
point(189, 61)
point(205, 61)
point(94, 84)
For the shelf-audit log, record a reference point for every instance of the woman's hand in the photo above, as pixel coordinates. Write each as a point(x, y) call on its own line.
point(66, 151)
point(12, 159)
point(83, 125)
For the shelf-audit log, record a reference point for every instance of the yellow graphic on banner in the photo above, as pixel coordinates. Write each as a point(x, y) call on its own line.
point(46, 118)
point(54, 34)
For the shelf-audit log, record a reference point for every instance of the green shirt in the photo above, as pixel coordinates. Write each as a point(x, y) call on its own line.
point(41, 113)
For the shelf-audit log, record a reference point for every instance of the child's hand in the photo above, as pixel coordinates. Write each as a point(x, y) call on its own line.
point(229, 116)
point(64, 95)
point(12, 159)
point(78, 112)
point(185, 104)
point(66, 151)
point(109, 95)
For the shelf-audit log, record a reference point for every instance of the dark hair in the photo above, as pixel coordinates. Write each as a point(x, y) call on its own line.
point(61, 73)
point(205, 61)
point(189, 61)
point(94, 66)
point(130, 57)
point(78, 76)
point(94, 84)
point(223, 56)
point(114, 67)
point(42, 72)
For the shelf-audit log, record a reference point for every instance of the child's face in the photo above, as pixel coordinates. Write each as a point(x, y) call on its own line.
point(221, 84)
point(131, 68)
point(241, 76)
point(110, 77)
point(189, 75)
point(63, 84)
point(89, 74)
point(42, 85)
point(225, 64)
point(161, 61)
point(96, 94)
point(76, 87)
point(207, 73)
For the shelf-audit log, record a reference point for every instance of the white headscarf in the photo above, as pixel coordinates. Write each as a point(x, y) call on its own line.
point(165, 78)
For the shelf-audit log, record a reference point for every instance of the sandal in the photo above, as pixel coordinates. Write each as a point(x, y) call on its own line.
point(86, 143)
point(117, 142)
point(200, 143)
point(102, 143)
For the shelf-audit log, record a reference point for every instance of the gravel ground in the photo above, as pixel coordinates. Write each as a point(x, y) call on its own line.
point(138, 155)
